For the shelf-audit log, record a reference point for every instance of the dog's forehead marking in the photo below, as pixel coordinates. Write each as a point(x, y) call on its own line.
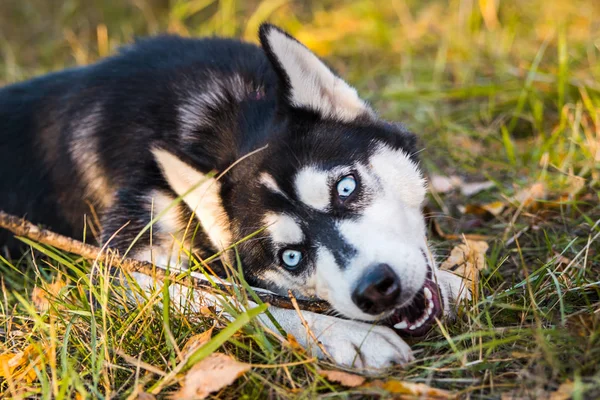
point(283, 228)
point(399, 175)
point(312, 188)
point(269, 182)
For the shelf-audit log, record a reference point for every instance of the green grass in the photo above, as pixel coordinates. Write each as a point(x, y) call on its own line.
point(507, 91)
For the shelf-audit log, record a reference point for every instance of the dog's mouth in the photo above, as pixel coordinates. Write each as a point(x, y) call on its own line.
point(419, 316)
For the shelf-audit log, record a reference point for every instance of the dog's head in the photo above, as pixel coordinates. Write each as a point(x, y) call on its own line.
point(338, 193)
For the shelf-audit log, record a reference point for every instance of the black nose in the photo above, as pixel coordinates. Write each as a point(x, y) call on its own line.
point(378, 290)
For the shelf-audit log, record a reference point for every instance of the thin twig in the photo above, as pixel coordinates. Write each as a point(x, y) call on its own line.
point(305, 324)
point(24, 228)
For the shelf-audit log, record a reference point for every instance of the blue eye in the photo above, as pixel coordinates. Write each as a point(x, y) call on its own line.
point(346, 186)
point(291, 258)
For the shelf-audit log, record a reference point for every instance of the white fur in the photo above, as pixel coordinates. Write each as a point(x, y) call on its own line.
point(170, 217)
point(283, 229)
point(399, 175)
point(313, 85)
point(200, 193)
point(452, 289)
point(312, 188)
point(269, 182)
point(84, 152)
point(349, 343)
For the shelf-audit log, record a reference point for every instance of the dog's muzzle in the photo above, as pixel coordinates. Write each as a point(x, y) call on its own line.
point(378, 290)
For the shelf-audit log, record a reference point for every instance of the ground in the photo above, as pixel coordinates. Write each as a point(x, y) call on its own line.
point(506, 92)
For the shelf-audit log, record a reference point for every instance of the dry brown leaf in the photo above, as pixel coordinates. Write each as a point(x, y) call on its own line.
point(17, 366)
point(495, 208)
point(437, 229)
point(411, 390)
point(344, 378)
point(528, 196)
point(139, 394)
point(196, 341)
point(210, 375)
point(467, 260)
point(41, 297)
point(444, 184)
point(472, 188)
point(564, 391)
point(293, 343)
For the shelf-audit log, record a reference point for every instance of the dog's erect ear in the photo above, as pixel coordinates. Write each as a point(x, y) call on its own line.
point(306, 82)
point(200, 192)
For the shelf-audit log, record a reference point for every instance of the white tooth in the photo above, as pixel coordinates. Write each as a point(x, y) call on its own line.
point(428, 294)
point(401, 325)
point(413, 327)
point(430, 306)
point(429, 310)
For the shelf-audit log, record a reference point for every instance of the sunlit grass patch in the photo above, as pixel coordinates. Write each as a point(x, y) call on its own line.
point(501, 91)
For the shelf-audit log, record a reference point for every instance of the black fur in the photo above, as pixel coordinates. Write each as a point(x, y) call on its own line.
point(135, 96)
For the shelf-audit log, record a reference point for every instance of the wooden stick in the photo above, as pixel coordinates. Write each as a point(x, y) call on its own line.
point(22, 227)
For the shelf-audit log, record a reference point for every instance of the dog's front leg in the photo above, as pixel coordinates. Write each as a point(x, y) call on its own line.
point(349, 343)
point(453, 290)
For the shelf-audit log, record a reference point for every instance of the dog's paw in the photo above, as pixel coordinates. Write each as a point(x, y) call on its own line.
point(454, 291)
point(349, 343)
point(364, 346)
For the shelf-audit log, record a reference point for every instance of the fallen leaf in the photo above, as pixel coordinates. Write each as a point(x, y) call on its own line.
point(528, 196)
point(411, 390)
point(17, 366)
point(293, 343)
point(564, 391)
point(344, 378)
point(444, 184)
point(493, 209)
point(139, 394)
point(437, 230)
point(196, 341)
point(467, 260)
point(210, 375)
point(472, 188)
point(41, 296)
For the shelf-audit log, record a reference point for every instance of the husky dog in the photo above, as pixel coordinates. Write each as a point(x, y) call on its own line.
point(251, 138)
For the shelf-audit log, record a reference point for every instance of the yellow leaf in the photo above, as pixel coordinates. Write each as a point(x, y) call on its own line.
point(564, 391)
point(495, 208)
point(210, 375)
point(345, 378)
point(410, 390)
point(16, 366)
point(293, 343)
point(196, 341)
point(41, 296)
point(528, 196)
point(466, 260)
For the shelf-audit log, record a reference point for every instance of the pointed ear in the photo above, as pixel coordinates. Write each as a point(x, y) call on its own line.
point(200, 192)
point(306, 82)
